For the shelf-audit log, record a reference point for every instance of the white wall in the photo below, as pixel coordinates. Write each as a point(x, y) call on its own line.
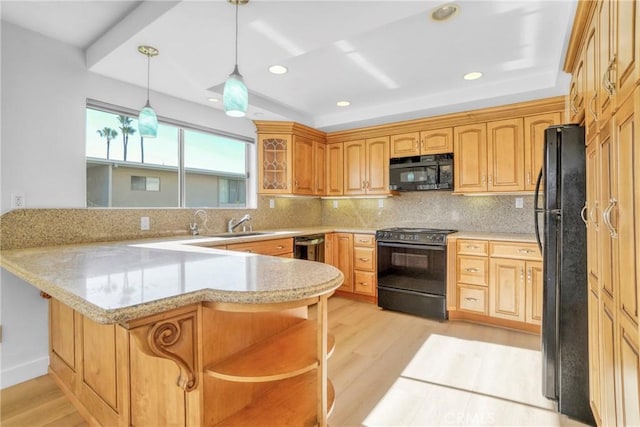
point(44, 89)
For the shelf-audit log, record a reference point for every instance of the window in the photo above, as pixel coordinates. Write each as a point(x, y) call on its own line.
point(126, 170)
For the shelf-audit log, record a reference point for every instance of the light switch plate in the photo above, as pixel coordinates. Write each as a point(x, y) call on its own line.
point(144, 223)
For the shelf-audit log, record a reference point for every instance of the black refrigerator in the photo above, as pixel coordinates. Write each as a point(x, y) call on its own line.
point(562, 237)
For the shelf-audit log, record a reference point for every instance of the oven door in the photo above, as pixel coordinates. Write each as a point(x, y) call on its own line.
point(418, 268)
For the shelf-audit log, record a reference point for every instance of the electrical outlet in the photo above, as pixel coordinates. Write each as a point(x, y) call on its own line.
point(335, 204)
point(17, 201)
point(519, 202)
point(272, 203)
point(381, 203)
point(144, 223)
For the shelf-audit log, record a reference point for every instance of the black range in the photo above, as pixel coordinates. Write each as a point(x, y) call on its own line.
point(412, 270)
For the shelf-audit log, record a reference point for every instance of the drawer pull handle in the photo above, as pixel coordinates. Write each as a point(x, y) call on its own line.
point(362, 283)
point(363, 241)
point(525, 251)
point(364, 259)
point(472, 247)
point(279, 247)
point(471, 299)
point(472, 270)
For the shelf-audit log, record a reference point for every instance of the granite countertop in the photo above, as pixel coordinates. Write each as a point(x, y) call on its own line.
point(122, 281)
point(508, 237)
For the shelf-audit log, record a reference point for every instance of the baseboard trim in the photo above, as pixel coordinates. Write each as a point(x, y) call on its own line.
point(24, 372)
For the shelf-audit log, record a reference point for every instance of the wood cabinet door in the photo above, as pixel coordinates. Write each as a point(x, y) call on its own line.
point(507, 289)
point(608, 194)
point(436, 141)
point(606, 39)
point(354, 167)
point(505, 155)
point(627, 211)
point(594, 228)
point(329, 246)
point(303, 166)
point(591, 80)
point(320, 169)
point(533, 293)
point(628, 409)
point(335, 170)
point(405, 145)
point(595, 396)
point(343, 258)
point(470, 158)
point(274, 163)
point(608, 386)
point(534, 127)
point(576, 92)
point(62, 332)
point(377, 166)
point(627, 48)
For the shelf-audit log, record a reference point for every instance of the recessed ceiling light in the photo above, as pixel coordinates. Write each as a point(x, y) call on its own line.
point(278, 69)
point(473, 75)
point(445, 12)
point(343, 103)
point(212, 99)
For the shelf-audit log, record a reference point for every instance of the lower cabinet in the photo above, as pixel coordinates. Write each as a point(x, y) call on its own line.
point(276, 247)
point(207, 364)
point(355, 255)
point(498, 282)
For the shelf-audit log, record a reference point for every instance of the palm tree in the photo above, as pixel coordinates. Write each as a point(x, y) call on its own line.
point(127, 129)
point(108, 133)
point(141, 149)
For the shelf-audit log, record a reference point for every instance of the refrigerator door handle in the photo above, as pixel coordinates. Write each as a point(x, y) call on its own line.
point(537, 210)
point(583, 214)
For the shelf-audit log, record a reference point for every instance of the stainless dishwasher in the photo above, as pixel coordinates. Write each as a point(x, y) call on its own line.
point(309, 247)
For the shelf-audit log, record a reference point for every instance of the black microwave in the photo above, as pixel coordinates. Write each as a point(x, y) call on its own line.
point(420, 173)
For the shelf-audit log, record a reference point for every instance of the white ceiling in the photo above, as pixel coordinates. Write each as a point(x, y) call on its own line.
point(389, 58)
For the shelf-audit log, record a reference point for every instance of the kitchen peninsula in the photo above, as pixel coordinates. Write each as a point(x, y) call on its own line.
point(171, 333)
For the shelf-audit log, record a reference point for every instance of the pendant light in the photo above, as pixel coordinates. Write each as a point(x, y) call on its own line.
point(235, 95)
point(147, 120)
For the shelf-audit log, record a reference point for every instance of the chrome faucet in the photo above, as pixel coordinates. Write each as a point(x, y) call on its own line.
point(193, 226)
point(232, 224)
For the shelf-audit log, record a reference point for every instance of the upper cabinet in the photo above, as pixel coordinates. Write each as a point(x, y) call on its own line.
point(534, 127)
point(291, 159)
point(489, 157)
point(335, 169)
point(470, 158)
point(366, 166)
point(435, 141)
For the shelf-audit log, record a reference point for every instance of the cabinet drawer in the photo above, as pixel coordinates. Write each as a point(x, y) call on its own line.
point(364, 259)
point(364, 283)
point(266, 247)
point(472, 270)
point(514, 250)
point(368, 240)
point(472, 247)
point(472, 298)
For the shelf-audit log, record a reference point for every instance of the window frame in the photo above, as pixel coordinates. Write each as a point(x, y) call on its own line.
point(250, 154)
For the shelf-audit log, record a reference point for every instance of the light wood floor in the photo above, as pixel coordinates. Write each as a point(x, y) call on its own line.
point(388, 369)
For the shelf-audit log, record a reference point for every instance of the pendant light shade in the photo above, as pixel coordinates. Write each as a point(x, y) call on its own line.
point(147, 119)
point(235, 96)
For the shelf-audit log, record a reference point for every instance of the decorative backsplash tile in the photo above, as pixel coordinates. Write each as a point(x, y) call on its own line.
point(45, 227)
point(433, 209)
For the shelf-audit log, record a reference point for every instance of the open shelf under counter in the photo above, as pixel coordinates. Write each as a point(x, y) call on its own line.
point(284, 355)
point(290, 402)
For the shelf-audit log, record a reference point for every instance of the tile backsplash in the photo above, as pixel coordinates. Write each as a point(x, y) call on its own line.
point(433, 209)
point(42, 227)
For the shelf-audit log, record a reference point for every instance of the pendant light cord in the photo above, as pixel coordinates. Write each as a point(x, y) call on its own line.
point(148, 73)
point(237, 3)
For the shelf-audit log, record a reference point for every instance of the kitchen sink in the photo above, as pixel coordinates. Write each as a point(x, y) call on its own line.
point(236, 235)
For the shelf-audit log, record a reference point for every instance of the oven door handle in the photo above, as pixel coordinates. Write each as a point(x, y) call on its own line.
point(408, 246)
